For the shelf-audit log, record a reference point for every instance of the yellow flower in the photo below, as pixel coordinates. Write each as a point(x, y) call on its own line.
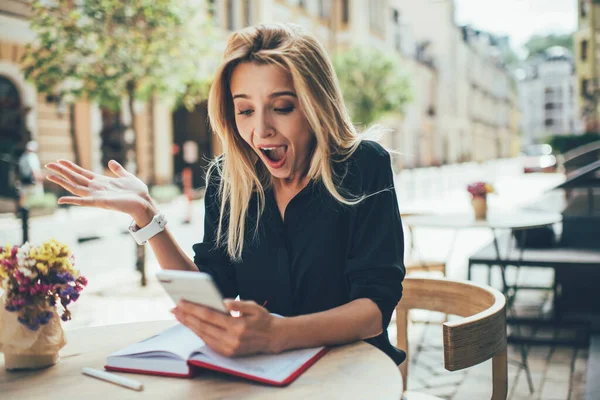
point(42, 268)
point(7, 252)
point(53, 255)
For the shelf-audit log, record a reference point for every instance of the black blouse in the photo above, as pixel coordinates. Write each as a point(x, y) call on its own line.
point(323, 254)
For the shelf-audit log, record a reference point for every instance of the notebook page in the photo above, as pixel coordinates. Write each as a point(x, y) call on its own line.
point(275, 367)
point(177, 340)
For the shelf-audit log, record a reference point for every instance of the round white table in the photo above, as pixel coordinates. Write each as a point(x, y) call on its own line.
point(504, 220)
point(353, 371)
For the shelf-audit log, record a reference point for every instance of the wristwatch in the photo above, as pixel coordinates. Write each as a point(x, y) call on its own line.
point(142, 235)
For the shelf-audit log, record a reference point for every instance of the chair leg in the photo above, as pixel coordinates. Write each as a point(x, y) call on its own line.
point(402, 340)
point(499, 376)
point(526, 368)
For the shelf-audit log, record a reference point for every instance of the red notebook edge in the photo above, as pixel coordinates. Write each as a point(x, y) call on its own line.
point(201, 364)
point(285, 382)
point(190, 374)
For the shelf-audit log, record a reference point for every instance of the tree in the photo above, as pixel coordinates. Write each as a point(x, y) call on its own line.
point(537, 44)
point(109, 50)
point(373, 84)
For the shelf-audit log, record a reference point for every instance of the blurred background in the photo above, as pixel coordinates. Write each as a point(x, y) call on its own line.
point(504, 91)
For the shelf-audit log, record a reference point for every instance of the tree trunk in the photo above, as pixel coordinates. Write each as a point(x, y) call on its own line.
point(140, 263)
point(73, 133)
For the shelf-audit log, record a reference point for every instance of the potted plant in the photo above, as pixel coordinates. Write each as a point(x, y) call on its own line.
point(479, 192)
point(36, 279)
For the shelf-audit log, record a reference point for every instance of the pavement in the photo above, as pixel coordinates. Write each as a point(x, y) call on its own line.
point(114, 294)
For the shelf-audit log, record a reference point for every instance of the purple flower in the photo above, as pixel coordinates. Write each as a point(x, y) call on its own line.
point(31, 325)
point(64, 277)
point(68, 291)
point(12, 307)
point(44, 317)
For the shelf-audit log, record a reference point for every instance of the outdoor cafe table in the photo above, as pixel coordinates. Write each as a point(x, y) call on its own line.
point(353, 371)
point(520, 220)
point(513, 221)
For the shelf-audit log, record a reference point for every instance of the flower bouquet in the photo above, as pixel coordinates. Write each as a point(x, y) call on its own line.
point(35, 280)
point(479, 192)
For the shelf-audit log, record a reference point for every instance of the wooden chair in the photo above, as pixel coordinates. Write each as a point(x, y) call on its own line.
point(476, 338)
point(415, 262)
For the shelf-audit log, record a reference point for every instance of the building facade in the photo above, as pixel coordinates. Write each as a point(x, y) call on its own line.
point(343, 24)
point(476, 101)
point(587, 61)
point(463, 104)
point(548, 97)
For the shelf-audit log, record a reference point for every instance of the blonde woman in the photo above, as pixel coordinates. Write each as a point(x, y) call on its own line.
point(301, 216)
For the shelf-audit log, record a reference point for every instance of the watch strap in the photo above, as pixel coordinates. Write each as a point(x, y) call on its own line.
point(142, 235)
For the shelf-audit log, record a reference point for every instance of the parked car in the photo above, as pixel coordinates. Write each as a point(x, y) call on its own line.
point(539, 158)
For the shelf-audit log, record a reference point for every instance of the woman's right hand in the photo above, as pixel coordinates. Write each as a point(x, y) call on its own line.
point(125, 192)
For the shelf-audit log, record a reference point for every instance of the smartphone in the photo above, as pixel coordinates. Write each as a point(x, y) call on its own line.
point(195, 287)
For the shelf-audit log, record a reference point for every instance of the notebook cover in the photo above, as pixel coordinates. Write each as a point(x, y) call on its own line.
point(285, 382)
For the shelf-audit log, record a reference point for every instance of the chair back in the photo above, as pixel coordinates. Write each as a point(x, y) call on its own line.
point(476, 338)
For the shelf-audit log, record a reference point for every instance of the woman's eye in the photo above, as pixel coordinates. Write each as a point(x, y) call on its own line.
point(244, 112)
point(285, 110)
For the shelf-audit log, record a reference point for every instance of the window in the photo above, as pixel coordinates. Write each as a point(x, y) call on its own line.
point(584, 50)
point(325, 8)
point(584, 87)
point(247, 12)
point(345, 11)
point(549, 106)
point(549, 122)
point(230, 15)
point(211, 8)
point(584, 7)
point(301, 4)
point(11, 120)
point(396, 16)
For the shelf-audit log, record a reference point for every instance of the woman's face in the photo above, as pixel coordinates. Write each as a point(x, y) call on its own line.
point(269, 118)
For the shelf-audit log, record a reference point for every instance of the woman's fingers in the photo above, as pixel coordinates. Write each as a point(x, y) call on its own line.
point(78, 201)
point(117, 169)
point(244, 307)
point(71, 187)
point(68, 173)
point(205, 314)
point(81, 171)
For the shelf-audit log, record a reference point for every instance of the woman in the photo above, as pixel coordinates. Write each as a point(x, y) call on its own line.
point(301, 216)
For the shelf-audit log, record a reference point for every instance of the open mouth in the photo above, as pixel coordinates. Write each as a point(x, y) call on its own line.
point(275, 155)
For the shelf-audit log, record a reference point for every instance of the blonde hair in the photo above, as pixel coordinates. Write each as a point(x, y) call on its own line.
point(320, 97)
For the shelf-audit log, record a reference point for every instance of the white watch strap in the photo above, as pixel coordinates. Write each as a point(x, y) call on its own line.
point(142, 235)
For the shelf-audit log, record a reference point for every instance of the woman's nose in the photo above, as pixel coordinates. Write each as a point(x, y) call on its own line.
point(263, 128)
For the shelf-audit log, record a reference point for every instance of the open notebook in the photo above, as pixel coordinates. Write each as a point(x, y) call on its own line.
point(176, 351)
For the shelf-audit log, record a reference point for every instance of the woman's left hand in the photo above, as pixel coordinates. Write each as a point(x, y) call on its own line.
point(251, 333)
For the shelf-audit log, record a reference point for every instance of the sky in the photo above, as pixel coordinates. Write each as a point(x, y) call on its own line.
point(518, 18)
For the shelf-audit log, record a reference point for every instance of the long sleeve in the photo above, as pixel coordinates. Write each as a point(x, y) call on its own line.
point(208, 258)
point(375, 267)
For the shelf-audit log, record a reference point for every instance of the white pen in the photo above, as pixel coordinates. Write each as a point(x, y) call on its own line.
point(113, 378)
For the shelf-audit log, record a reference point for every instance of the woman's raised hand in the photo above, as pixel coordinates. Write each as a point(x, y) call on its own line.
point(124, 192)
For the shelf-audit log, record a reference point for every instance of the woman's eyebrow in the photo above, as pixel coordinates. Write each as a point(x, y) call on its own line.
point(284, 93)
point(272, 95)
